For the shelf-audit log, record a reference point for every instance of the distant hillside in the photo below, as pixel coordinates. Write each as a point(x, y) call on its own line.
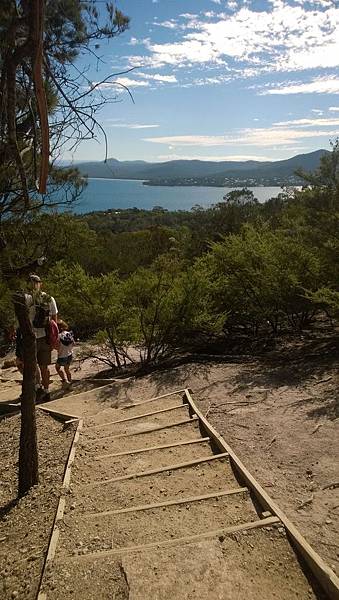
point(181, 172)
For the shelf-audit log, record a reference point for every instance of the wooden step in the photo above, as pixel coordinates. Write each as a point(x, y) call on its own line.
point(202, 478)
point(135, 528)
point(88, 469)
point(130, 425)
point(133, 410)
point(180, 430)
point(254, 565)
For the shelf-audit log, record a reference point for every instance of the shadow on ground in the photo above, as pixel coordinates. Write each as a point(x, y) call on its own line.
point(293, 364)
point(296, 365)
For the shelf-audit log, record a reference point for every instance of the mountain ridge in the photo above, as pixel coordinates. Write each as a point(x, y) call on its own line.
point(172, 172)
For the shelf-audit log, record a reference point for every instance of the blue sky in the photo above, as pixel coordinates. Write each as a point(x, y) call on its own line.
point(220, 80)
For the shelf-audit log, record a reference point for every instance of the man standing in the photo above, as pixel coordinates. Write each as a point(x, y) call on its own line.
point(42, 309)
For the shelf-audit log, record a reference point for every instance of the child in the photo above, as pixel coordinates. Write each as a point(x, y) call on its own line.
point(65, 352)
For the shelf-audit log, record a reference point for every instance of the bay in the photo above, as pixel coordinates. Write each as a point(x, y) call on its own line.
point(105, 194)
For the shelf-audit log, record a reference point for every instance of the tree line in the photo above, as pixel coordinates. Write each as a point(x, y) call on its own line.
point(160, 282)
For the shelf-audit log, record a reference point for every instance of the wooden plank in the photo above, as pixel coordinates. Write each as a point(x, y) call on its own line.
point(71, 421)
point(156, 412)
point(62, 415)
point(150, 448)
point(94, 389)
point(326, 577)
point(52, 544)
point(67, 476)
point(174, 467)
point(61, 507)
point(123, 435)
point(102, 380)
point(99, 387)
point(10, 414)
point(102, 554)
point(152, 399)
point(121, 511)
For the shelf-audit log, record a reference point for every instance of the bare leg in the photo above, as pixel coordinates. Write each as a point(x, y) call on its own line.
point(59, 371)
point(45, 376)
point(68, 373)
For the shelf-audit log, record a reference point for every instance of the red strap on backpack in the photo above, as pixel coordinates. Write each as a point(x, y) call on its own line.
point(53, 335)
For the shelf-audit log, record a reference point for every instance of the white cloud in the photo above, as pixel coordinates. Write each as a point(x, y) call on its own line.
point(259, 137)
point(218, 158)
point(200, 81)
point(132, 125)
point(320, 85)
point(171, 24)
point(334, 108)
point(283, 38)
point(159, 77)
point(127, 82)
point(310, 123)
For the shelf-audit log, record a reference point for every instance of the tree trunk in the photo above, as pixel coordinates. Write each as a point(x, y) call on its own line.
point(28, 451)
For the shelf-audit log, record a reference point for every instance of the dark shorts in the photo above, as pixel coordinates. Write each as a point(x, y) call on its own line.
point(44, 352)
point(64, 361)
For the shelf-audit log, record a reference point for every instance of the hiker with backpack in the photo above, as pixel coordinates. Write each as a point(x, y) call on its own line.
point(43, 315)
point(65, 352)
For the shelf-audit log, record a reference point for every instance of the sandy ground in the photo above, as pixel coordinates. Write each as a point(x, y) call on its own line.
point(106, 524)
point(25, 525)
point(279, 413)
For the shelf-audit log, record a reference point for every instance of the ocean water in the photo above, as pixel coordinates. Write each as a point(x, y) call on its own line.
point(104, 194)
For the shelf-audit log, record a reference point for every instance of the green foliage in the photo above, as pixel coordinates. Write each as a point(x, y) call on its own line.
point(68, 28)
point(154, 310)
point(260, 277)
point(145, 284)
point(6, 307)
point(172, 308)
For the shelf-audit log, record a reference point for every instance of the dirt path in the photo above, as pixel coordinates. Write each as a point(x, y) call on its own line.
point(25, 524)
point(145, 480)
point(280, 414)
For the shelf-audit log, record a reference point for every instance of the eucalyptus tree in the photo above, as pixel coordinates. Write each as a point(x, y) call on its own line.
point(46, 101)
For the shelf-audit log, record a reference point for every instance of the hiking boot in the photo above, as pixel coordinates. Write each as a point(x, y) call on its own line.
point(39, 393)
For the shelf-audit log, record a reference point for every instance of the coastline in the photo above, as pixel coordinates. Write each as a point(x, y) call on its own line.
point(238, 185)
point(113, 179)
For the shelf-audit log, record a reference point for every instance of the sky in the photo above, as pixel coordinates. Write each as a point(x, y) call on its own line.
point(219, 80)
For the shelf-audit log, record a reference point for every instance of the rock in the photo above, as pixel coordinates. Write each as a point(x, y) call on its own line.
point(328, 521)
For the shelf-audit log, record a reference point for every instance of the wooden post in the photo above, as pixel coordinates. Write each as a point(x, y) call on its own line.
point(28, 451)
